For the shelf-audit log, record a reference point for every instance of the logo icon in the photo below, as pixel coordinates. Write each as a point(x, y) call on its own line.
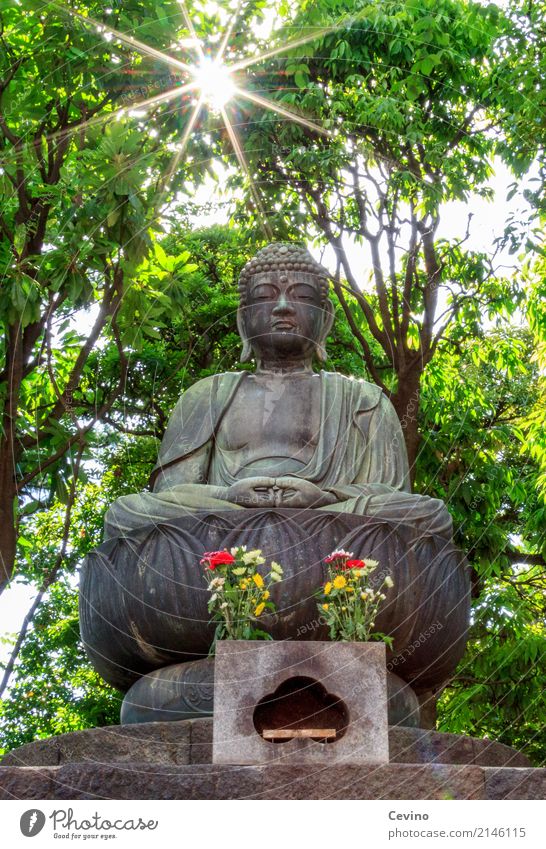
point(32, 822)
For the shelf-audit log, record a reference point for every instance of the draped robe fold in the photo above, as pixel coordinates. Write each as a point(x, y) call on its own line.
point(360, 457)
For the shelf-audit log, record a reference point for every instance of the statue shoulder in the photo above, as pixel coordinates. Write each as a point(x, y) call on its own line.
point(365, 395)
point(371, 396)
point(208, 388)
point(195, 417)
point(218, 379)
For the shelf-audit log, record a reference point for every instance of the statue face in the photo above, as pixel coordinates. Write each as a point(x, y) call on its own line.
point(284, 314)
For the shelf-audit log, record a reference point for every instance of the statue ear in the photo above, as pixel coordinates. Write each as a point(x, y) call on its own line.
point(327, 322)
point(246, 353)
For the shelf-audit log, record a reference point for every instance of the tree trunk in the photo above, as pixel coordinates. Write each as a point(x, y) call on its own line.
point(8, 534)
point(8, 459)
point(406, 403)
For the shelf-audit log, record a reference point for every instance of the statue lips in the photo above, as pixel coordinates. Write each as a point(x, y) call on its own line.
point(284, 324)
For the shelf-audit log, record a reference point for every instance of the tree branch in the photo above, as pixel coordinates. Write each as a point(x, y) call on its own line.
point(338, 288)
point(516, 557)
point(49, 578)
point(430, 294)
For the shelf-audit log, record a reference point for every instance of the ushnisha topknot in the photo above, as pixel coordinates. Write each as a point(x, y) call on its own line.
point(283, 256)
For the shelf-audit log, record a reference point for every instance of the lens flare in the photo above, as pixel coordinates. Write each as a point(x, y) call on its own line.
point(215, 82)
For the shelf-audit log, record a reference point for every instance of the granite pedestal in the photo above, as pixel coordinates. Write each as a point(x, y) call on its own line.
point(172, 760)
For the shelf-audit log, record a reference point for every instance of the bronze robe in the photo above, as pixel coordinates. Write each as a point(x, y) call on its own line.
point(360, 457)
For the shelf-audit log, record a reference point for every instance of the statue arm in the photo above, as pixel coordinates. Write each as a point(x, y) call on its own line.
point(177, 491)
point(185, 452)
point(385, 459)
point(381, 487)
point(185, 448)
point(382, 469)
point(189, 469)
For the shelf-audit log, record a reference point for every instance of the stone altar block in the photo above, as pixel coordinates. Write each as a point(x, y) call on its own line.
point(265, 690)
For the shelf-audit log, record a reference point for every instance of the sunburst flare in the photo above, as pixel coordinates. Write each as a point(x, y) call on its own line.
point(215, 81)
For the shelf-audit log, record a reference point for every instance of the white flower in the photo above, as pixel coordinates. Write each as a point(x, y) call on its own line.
point(214, 596)
point(254, 557)
point(217, 583)
point(224, 605)
point(274, 576)
point(276, 567)
point(238, 548)
point(389, 582)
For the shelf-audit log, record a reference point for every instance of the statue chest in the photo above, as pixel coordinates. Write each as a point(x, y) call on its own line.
point(273, 418)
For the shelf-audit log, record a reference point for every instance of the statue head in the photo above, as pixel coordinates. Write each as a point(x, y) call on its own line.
point(284, 307)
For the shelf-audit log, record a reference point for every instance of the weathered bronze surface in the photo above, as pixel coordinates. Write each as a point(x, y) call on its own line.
point(282, 436)
point(143, 600)
point(289, 461)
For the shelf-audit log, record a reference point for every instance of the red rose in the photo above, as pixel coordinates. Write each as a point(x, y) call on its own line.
point(212, 559)
point(354, 564)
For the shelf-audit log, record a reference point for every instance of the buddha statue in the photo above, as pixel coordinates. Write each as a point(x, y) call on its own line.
point(282, 436)
point(286, 459)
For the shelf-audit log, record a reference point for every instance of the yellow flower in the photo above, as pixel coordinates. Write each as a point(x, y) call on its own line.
point(350, 589)
point(327, 588)
point(258, 580)
point(243, 585)
point(259, 609)
point(339, 582)
point(325, 606)
point(265, 595)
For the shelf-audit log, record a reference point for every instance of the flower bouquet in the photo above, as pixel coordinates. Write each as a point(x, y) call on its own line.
point(239, 593)
point(348, 602)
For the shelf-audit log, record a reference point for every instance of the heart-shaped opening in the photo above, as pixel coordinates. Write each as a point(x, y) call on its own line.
point(301, 707)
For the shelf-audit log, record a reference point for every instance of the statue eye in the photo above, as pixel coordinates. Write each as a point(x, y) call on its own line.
point(263, 293)
point(303, 293)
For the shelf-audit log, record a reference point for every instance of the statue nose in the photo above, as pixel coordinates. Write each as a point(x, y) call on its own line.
point(283, 305)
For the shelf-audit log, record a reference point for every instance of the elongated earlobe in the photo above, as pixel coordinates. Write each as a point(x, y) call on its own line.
point(327, 322)
point(246, 353)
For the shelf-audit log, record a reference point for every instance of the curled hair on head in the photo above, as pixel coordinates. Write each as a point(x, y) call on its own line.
point(283, 256)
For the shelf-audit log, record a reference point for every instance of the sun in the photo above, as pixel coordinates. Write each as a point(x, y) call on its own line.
point(215, 82)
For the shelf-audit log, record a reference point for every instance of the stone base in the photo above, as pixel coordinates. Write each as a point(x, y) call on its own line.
point(171, 760)
point(204, 781)
point(190, 742)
